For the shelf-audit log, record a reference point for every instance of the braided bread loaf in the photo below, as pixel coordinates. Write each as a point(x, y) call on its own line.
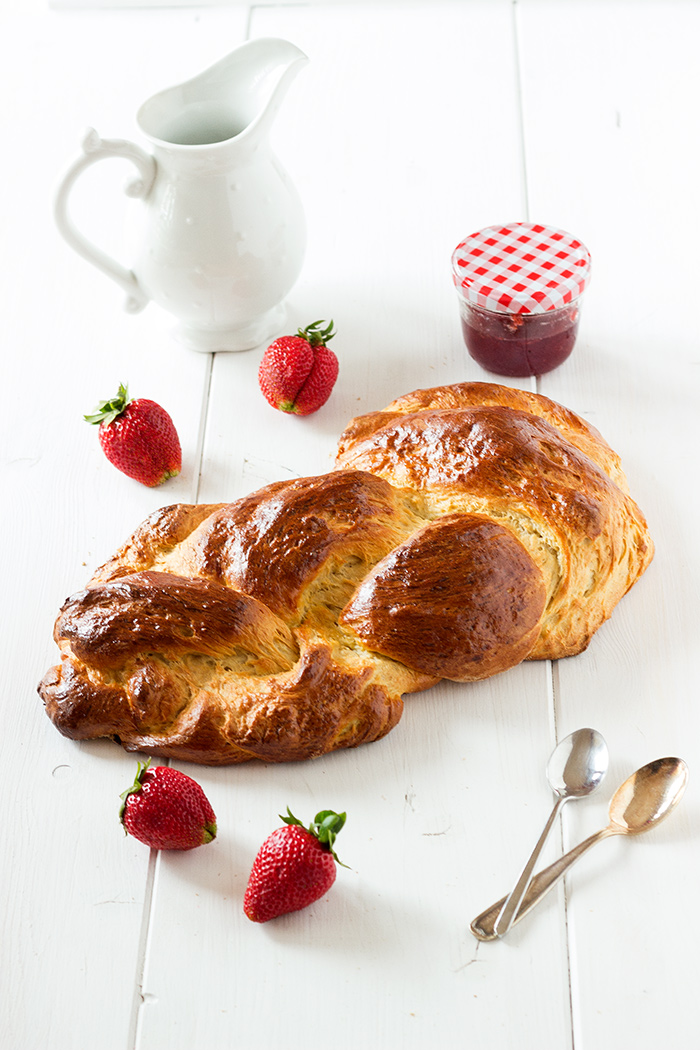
point(465, 529)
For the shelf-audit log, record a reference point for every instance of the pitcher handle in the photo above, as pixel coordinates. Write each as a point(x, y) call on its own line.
point(94, 149)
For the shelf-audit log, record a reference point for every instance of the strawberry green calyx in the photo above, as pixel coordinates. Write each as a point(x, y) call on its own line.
point(208, 833)
point(315, 335)
point(107, 411)
point(325, 827)
point(136, 786)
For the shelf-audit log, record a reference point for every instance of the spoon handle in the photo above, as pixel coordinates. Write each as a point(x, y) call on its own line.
point(484, 926)
point(513, 901)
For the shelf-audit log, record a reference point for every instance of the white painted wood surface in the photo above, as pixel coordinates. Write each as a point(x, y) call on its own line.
point(413, 124)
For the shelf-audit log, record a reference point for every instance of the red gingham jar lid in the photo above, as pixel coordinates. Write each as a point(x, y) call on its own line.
point(521, 268)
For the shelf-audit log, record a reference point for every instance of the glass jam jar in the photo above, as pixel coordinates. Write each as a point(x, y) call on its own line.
point(519, 289)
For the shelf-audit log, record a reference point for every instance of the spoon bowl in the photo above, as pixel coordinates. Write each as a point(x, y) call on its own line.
point(578, 764)
point(648, 795)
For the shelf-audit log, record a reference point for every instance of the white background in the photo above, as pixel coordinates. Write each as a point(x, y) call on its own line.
point(413, 124)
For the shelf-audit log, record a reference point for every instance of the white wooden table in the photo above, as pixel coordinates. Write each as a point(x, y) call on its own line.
point(413, 124)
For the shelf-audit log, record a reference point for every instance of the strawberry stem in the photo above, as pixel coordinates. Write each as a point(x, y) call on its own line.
point(315, 335)
point(107, 411)
point(325, 827)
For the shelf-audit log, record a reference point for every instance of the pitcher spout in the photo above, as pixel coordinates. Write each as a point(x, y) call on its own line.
point(237, 97)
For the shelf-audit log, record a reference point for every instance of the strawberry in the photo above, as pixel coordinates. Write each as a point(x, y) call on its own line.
point(294, 867)
point(298, 372)
point(167, 809)
point(138, 438)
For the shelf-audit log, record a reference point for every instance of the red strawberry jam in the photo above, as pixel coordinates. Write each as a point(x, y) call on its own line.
point(519, 344)
point(519, 289)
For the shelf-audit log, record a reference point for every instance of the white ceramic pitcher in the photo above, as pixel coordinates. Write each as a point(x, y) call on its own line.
point(223, 236)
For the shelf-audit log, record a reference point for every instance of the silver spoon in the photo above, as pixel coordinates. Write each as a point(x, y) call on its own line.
point(576, 768)
point(641, 802)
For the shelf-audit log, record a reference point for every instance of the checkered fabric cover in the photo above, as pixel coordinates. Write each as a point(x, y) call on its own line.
point(521, 268)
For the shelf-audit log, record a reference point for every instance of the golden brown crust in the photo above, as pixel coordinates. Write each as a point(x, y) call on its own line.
point(158, 612)
point(159, 534)
point(460, 599)
point(274, 543)
point(459, 396)
point(465, 528)
point(213, 635)
point(534, 467)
